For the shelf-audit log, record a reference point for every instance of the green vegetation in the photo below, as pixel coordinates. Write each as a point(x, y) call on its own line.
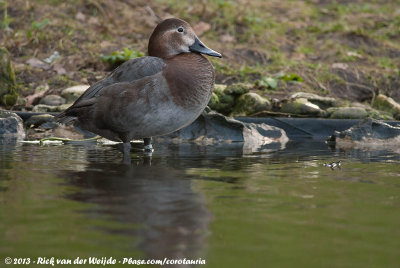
point(8, 85)
point(259, 40)
point(118, 57)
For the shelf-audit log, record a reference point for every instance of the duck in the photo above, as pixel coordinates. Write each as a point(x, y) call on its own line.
point(149, 96)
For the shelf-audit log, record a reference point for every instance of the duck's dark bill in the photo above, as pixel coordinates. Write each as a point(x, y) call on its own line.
point(199, 47)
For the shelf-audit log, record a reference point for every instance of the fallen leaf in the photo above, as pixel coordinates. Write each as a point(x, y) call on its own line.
point(34, 62)
point(59, 69)
point(93, 20)
point(353, 54)
point(226, 38)
point(80, 16)
point(339, 65)
point(201, 28)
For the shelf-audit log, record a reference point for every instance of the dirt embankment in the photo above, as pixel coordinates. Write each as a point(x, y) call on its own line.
point(348, 50)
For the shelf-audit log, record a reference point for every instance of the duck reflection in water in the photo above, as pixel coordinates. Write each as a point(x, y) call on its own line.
point(172, 219)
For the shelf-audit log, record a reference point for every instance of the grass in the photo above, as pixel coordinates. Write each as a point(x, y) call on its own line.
point(296, 37)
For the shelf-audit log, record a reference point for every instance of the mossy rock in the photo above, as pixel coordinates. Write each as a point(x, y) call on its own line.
point(8, 85)
point(301, 106)
point(320, 101)
point(39, 119)
point(224, 97)
point(250, 103)
point(214, 101)
point(42, 108)
point(379, 115)
point(225, 104)
point(347, 113)
point(9, 99)
point(219, 89)
point(52, 100)
point(71, 94)
point(220, 101)
point(387, 104)
point(237, 89)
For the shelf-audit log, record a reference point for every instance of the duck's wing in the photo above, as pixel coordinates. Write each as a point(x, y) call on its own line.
point(129, 71)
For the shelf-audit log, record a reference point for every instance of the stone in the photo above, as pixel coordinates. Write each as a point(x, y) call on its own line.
point(322, 102)
point(387, 104)
point(219, 88)
point(347, 113)
point(71, 94)
point(220, 101)
point(226, 96)
point(213, 127)
point(237, 89)
point(301, 106)
point(379, 115)
point(250, 103)
point(38, 120)
point(42, 108)
point(369, 133)
point(214, 101)
point(52, 100)
point(11, 125)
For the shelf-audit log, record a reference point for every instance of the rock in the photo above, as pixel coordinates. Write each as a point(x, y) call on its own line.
point(42, 108)
point(214, 101)
point(71, 94)
point(225, 97)
point(250, 103)
point(347, 113)
point(220, 101)
point(368, 133)
point(8, 84)
point(214, 127)
point(37, 120)
point(237, 89)
point(52, 100)
point(387, 104)
point(378, 115)
point(11, 125)
point(301, 106)
point(219, 88)
point(322, 102)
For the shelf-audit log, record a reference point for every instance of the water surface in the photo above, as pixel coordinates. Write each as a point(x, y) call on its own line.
point(221, 203)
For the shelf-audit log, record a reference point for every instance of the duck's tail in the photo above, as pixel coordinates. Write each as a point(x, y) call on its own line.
point(65, 119)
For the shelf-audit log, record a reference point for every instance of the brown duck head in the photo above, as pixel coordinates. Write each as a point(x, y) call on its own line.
point(174, 36)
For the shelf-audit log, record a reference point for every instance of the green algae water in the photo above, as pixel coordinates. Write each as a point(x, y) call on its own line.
point(217, 204)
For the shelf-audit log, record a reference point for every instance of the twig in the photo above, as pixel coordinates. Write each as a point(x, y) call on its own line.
point(41, 141)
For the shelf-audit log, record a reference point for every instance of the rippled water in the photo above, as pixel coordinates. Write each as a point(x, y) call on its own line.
point(279, 208)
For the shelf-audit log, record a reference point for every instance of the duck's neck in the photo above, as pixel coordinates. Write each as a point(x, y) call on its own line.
point(190, 78)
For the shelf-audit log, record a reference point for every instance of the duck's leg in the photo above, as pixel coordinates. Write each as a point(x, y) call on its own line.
point(127, 152)
point(147, 145)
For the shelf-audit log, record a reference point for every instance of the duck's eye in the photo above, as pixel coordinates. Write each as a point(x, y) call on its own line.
point(180, 29)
